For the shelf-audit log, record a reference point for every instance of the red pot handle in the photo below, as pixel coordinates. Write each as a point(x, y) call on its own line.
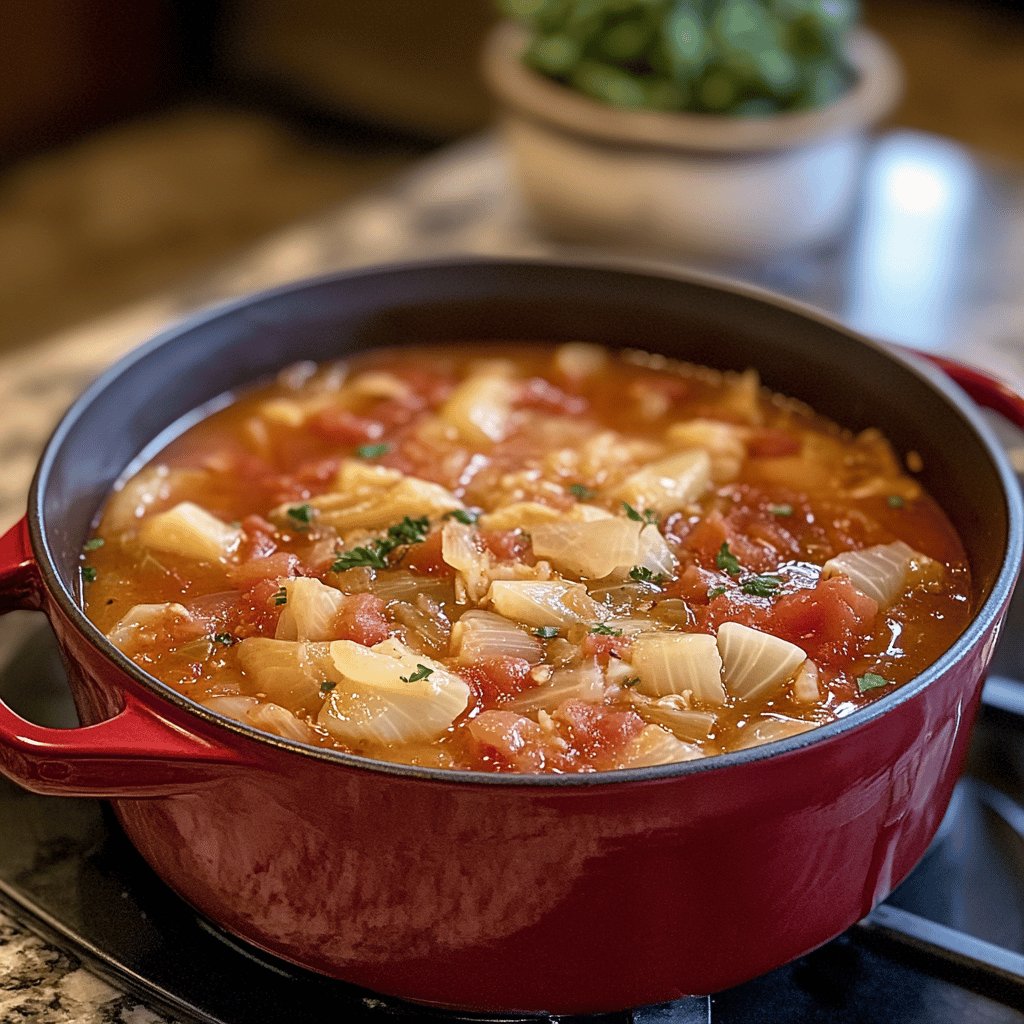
point(137, 753)
point(988, 391)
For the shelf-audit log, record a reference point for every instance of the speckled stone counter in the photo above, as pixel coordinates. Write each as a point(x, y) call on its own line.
point(936, 259)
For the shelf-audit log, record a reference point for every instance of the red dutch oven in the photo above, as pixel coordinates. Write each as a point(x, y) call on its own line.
point(566, 894)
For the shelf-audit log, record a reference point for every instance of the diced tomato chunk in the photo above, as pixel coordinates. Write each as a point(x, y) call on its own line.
point(507, 545)
point(258, 538)
point(498, 680)
point(504, 741)
point(343, 427)
point(362, 619)
point(831, 619)
point(604, 648)
point(772, 443)
point(257, 612)
point(426, 558)
point(596, 731)
point(265, 567)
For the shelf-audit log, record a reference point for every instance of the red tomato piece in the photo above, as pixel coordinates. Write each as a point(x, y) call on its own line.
point(343, 427)
point(603, 648)
point(507, 545)
point(426, 559)
point(596, 731)
point(772, 443)
point(502, 741)
point(265, 567)
point(498, 680)
point(258, 538)
point(257, 612)
point(362, 619)
point(831, 619)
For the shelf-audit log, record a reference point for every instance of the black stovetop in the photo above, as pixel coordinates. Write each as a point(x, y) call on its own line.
point(947, 947)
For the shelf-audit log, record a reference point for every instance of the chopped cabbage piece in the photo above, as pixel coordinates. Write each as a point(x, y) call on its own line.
point(390, 694)
point(724, 443)
point(656, 745)
point(190, 531)
point(756, 664)
point(590, 549)
point(669, 484)
point(882, 571)
point(311, 610)
point(479, 636)
point(286, 671)
point(679, 662)
point(480, 407)
point(544, 602)
point(769, 728)
point(139, 626)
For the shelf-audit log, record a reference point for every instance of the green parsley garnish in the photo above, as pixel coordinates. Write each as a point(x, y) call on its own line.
point(92, 545)
point(462, 515)
point(716, 592)
point(630, 682)
point(648, 516)
point(642, 574)
point(546, 632)
point(225, 638)
point(372, 451)
point(421, 673)
point(895, 501)
point(581, 491)
point(88, 574)
point(762, 586)
point(408, 531)
point(726, 560)
point(281, 597)
point(302, 514)
point(781, 510)
point(326, 686)
point(871, 681)
point(602, 630)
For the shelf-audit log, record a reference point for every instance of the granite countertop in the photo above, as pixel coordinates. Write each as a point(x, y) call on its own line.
point(945, 274)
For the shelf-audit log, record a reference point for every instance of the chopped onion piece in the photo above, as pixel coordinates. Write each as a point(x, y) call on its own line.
point(724, 443)
point(544, 602)
point(520, 515)
point(656, 745)
point(141, 623)
point(881, 571)
point(674, 713)
point(459, 550)
point(289, 673)
point(373, 497)
point(190, 531)
point(655, 553)
point(390, 694)
point(402, 585)
point(594, 550)
point(769, 728)
point(311, 611)
point(578, 359)
point(480, 408)
point(270, 718)
point(679, 662)
point(756, 664)
point(669, 484)
point(481, 635)
point(805, 683)
point(581, 682)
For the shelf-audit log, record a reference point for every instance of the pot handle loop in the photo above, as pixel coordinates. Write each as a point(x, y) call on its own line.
point(136, 753)
point(988, 391)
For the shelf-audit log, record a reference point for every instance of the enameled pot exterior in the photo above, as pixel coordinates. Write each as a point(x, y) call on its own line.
point(498, 894)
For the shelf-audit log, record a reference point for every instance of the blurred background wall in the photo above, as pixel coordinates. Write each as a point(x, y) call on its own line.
point(141, 142)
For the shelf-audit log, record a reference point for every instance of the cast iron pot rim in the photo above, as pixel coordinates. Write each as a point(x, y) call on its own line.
point(959, 402)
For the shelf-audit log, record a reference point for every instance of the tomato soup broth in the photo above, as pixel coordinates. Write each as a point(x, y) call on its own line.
point(560, 559)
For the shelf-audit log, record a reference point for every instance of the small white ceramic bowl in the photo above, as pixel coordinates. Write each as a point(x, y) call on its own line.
point(711, 185)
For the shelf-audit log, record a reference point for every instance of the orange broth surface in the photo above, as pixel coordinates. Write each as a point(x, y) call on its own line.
point(532, 559)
